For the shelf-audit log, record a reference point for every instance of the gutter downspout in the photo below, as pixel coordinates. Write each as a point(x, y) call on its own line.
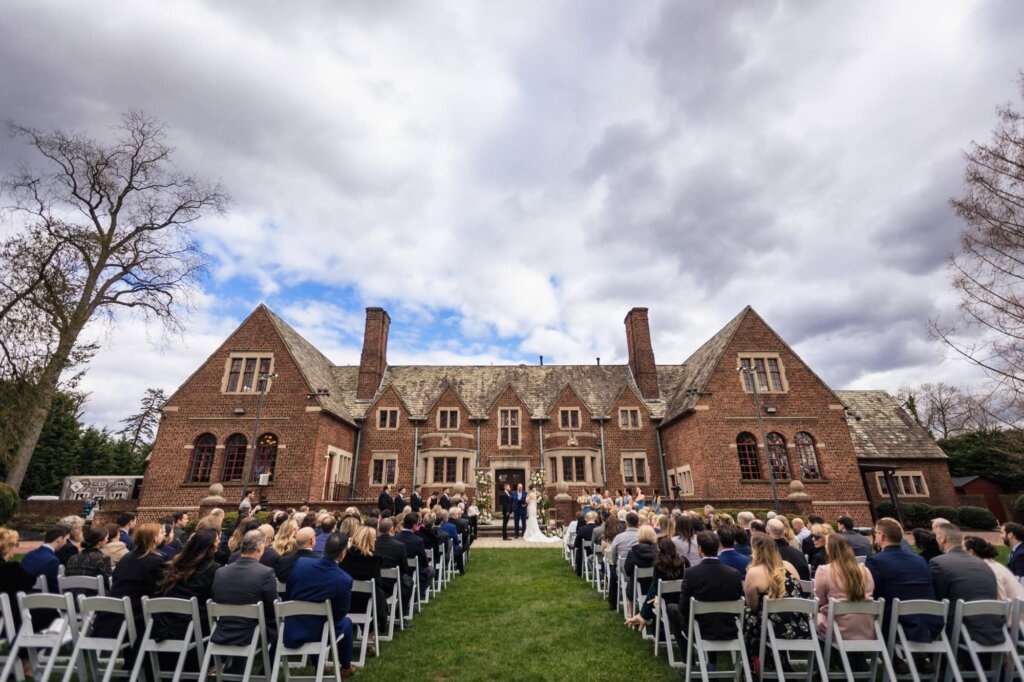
point(415, 452)
point(661, 457)
point(540, 437)
point(355, 461)
point(604, 466)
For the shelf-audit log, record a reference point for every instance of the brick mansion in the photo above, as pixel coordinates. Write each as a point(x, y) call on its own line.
point(330, 434)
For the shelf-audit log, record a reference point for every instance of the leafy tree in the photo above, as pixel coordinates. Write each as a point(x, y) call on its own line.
point(946, 410)
point(996, 454)
point(988, 271)
point(140, 428)
point(102, 227)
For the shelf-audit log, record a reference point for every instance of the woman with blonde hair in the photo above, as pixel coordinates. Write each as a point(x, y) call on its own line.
point(819, 537)
point(788, 533)
point(362, 563)
point(843, 579)
point(640, 555)
point(769, 577)
point(284, 539)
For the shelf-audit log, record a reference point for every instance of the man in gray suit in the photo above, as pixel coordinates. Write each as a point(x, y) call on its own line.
point(860, 544)
point(958, 575)
point(246, 581)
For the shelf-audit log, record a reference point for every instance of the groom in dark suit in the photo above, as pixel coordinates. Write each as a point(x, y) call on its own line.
point(505, 499)
point(519, 510)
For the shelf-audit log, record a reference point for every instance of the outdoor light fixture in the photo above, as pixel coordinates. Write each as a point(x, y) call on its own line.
point(771, 410)
point(239, 410)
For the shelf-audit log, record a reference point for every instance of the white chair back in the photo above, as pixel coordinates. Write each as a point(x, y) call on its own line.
point(696, 644)
point(901, 646)
point(8, 633)
point(79, 584)
point(661, 629)
point(877, 646)
point(366, 621)
point(191, 640)
point(258, 643)
point(328, 641)
point(394, 602)
point(43, 648)
point(89, 646)
point(801, 608)
point(962, 639)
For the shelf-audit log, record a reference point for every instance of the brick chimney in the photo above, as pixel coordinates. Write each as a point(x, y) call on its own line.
point(641, 354)
point(374, 359)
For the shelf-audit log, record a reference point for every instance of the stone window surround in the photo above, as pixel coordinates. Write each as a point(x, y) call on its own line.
point(388, 410)
point(591, 464)
point(634, 455)
point(684, 479)
point(425, 472)
point(565, 418)
point(382, 455)
point(880, 480)
point(342, 461)
point(243, 356)
point(762, 355)
point(518, 429)
point(448, 411)
point(626, 411)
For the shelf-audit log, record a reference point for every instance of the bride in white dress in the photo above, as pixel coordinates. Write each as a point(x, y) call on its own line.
point(533, 532)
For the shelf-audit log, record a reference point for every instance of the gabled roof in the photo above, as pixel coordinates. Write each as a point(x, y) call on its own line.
point(699, 368)
point(314, 366)
point(961, 481)
point(881, 428)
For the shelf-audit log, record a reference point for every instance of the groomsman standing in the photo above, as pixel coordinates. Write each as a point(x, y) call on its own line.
point(385, 502)
point(505, 500)
point(519, 509)
point(416, 502)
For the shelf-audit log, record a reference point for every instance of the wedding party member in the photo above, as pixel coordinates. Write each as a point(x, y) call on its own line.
point(519, 510)
point(399, 506)
point(843, 579)
point(318, 581)
point(770, 577)
point(416, 503)
point(445, 500)
point(505, 502)
point(385, 502)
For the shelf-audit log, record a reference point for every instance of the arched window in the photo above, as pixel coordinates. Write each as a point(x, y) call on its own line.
point(202, 458)
point(746, 449)
point(266, 456)
point(234, 458)
point(807, 455)
point(777, 458)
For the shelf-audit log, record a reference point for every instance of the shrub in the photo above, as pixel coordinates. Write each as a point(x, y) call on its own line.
point(916, 514)
point(977, 518)
point(9, 501)
point(951, 514)
point(885, 509)
point(1018, 510)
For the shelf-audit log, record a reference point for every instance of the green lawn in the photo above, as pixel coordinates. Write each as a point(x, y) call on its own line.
point(518, 614)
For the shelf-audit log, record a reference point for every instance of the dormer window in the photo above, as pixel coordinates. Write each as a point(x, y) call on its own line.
point(629, 418)
point(569, 418)
point(448, 419)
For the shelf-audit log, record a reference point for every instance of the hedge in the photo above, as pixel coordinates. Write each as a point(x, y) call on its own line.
point(920, 515)
point(9, 501)
point(230, 519)
point(1018, 510)
point(978, 518)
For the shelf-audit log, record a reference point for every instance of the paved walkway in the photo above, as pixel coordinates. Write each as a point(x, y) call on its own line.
point(498, 543)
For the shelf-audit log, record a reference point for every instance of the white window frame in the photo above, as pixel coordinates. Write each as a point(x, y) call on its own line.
point(753, 356)
point(684, 478)
point(389, 411)
point(243, 357)
point(517, 429)
point(633, 456)
point(900, 484)
point(448, 412)
point(565, 416)
point(628, 412)
point(382, 457)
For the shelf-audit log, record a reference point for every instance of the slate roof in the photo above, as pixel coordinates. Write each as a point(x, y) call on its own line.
point(960, 481)
point(882, 428)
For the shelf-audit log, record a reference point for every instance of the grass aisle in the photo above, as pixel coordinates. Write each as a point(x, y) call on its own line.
point(518, 614)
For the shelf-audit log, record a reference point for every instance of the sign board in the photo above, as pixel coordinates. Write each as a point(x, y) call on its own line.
point(98, 488)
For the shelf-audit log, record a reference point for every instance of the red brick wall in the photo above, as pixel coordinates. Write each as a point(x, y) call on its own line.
point(618, 440)
point(936, 476)
point(374, 439)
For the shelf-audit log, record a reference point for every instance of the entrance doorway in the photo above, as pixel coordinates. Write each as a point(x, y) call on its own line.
point(511, 476)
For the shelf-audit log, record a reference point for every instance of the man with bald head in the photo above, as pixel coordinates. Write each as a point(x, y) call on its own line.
point(777, 532)
point(270, 557)
point(304, 541)
point(958, 575)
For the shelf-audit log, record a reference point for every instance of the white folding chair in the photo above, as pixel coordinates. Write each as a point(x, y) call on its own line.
point(807, 588)
point(42, 586)
point(365, 622)
point(192, 640)
point(415, 603)
point(962, 639)
point(599, 576)
point(607, 581)
point(8, 633)
point(439, 581)
point(638, 593)
point(587, 549)
point(96, 586)
point(328, 641)
point(939, 648)
point(804, 608)
point(394, 602)
point(876, 646)
point(661, 629)
point(1016, 631)
point(44, 647)
point(282, 588)
point(695, 642)
point(257, 642)
point(89, 646)
point(620, 571)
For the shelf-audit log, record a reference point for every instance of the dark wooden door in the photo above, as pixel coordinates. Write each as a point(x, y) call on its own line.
point(511, 476)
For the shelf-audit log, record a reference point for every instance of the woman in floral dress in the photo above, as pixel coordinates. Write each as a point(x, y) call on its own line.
point(769, 577)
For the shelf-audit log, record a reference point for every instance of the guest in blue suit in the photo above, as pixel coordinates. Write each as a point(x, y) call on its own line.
point(728, 554)
point(43, 559)
point(1013, 537)
point(321, 580)
point(519, 510)
point(901, 575)
point(449, 528)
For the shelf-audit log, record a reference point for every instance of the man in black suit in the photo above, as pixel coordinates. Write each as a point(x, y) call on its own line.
point(246, 581)
point(585, 532)
point(414, 548)
point(305, 538)
point(710, 580)
point(417, 500)
point(385, 502)
point(505, 500)
point(1013, 537)
point(777, 532)
point(400, 501)
point(958, 575)
point(392, 554)
point(860, 544)
point(445, 501)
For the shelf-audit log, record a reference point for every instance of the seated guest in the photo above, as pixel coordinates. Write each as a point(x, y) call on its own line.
point(727, 537)
point(189, 574)
point(270, 557)
point(819, 539)
point(901, 575)
point(641, 555)
point(305, 538)
point(843, 579)
point(284, 539)
point(115, 547)
point(860, 544)
point(756, 526)
point(455, 516)
point(1013, 536)
point(1007, 584)
point(743, 520)
point(392, 555)
point(416, 549)
point(621, 544)
point(137, 575)
point(167, 549)
point(126, 523)
point(668, 565)
point(362, 563)
point(584, 531)
point(179, 520)
point(43, 559)
point(237, 533)
point(14, 579)
point(709, 581)
point(323, 580)
point(925, 541)
point(434, 539)
point(807, 544)
point(91, 561)
point(801, 531)
point(686, 540)
point(246, 581)
point(348, 525)
point(453, 533)
point(777, 532)
point(957, 575)
point(769, 577)
point(327, 525)
point(75, 526)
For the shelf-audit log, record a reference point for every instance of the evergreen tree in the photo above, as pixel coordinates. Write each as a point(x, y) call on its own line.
point(998, 455)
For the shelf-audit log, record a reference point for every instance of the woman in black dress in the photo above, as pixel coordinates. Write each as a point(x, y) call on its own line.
point(91, 561)
point(137, 575)
point(361, 563)
point(189, 575)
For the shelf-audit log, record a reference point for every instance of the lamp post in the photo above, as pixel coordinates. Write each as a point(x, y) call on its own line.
point(261, 385)
point(751, 372)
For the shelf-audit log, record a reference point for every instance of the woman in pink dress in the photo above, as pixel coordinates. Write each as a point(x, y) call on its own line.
point(843, 579)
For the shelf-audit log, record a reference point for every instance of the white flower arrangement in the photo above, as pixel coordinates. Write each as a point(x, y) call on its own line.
point(484, 499)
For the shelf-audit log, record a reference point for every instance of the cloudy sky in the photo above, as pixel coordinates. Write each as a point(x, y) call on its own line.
point(508, 179)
